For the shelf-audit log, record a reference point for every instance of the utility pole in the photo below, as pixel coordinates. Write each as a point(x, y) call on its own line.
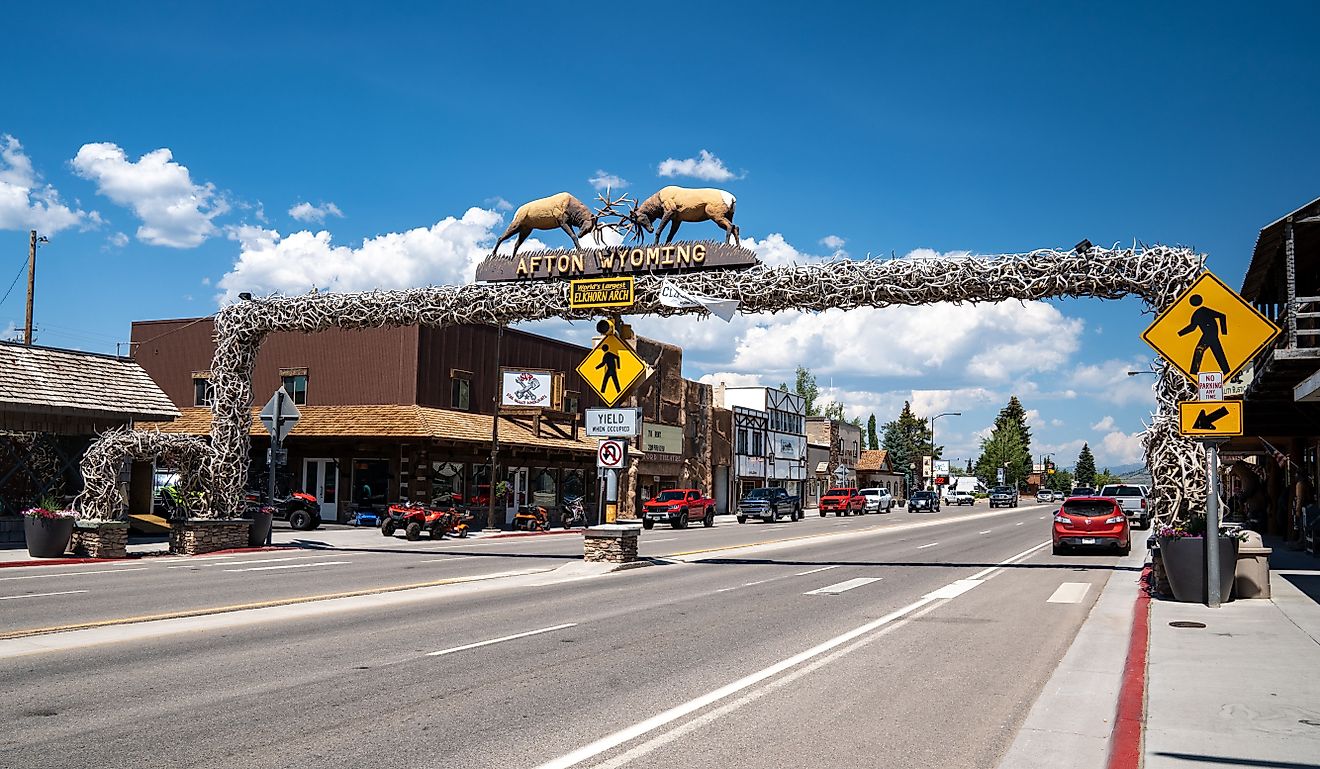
point(492, 522)
point(32, 282)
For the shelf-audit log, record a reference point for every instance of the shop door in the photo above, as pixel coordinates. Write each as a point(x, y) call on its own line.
point(321, 480)
point(517, 496)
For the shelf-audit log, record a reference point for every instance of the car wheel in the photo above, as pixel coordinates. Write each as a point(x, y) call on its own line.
point(709, 520)
point(387, 528)
point(300, 520)
point(769, 519)
point(1060, 549)
point(413, 532)
point(1125, 549)
point(647, 523)
point(742, 519)
point(822, 513)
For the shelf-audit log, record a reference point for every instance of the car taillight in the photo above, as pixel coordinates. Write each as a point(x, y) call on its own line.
point(1116, 519)
point(1143, 503)
point(1065, 520)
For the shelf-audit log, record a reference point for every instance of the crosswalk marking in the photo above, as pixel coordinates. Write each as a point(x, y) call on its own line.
point(1070, 592)
point(843, 586)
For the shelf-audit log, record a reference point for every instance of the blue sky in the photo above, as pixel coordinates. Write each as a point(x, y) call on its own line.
point(166, 149)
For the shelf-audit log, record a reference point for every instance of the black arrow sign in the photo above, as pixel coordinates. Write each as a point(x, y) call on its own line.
point(1206, 421)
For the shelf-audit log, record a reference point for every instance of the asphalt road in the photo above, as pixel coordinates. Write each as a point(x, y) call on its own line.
point(890, 644)
point(36, 597)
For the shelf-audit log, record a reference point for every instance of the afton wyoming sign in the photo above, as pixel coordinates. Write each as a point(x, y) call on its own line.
point(615, 260)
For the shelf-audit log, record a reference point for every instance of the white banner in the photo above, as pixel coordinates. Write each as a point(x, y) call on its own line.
point(673, 296)
point(525, 388)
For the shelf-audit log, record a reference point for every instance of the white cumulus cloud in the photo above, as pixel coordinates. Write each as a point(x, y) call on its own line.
point(1120, 448)
point(447, 252)
point(28, 204)
point(175, 211)
point(306, 212)
point(1104, 424)
point(704, 166)
point(833, 242)
point(604, 179)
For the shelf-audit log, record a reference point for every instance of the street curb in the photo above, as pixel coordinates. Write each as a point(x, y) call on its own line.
point(57, 562)
point(1129, 721)
point(73, 561)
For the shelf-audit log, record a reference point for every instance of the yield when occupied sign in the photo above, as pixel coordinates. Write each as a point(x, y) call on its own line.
point(610, 454)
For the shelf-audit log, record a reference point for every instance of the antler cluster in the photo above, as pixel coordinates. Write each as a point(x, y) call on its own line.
point(624, 222)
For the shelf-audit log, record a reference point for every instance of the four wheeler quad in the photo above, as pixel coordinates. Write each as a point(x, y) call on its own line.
point(415, 517)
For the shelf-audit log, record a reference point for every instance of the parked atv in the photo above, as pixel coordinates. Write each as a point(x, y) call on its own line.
point(532, 518)
point(301, 510)
point(415, 517)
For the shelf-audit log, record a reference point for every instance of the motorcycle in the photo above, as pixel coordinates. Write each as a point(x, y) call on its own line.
point(573, 513)
point(532, 518)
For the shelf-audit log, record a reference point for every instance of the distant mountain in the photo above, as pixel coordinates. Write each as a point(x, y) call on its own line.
point(1125, 469)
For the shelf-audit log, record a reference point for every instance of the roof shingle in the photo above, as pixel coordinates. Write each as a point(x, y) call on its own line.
point(50, 380)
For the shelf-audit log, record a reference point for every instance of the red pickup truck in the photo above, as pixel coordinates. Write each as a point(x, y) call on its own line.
point(678, 508)
point(842, 501)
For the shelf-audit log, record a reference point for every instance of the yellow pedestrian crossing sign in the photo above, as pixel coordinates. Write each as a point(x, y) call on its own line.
point(612, 368)
point(1210, 328)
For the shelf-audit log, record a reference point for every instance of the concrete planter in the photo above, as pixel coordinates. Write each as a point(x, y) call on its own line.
point(1184, 565)
point(47, 537)
point(260, 528)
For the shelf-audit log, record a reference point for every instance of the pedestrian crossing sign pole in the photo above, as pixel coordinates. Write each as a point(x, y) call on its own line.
point(1210, 328)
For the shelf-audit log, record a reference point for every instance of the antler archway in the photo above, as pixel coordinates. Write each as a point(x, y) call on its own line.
point(1156, 274)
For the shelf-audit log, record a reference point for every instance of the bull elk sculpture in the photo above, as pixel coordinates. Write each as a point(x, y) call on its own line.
point(561, 211)
point(675, 205)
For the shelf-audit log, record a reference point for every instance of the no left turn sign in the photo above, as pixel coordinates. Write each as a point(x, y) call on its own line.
point(610, 453)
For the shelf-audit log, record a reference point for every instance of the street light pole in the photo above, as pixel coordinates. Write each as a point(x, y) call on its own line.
point(932, 440)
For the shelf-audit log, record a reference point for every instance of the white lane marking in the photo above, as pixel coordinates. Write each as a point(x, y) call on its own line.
point(291, 566)
point(725, 589)
point(955, 589)
point(666, 539)
point(1070, 592)
point(923, 547)
point(440, 560)
point(1022, 556)
point(843, 586)
point(260, 560)
point(987, 531)
point(612, 741)
point(465, 647)
point(1019, 523)
point(73, 573)
point(39, 595)
point(1043, 517)
point(758, 582)
point(813, 571)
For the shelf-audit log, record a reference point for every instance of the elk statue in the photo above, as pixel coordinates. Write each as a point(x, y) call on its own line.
point(675, 205)
point(561, 211)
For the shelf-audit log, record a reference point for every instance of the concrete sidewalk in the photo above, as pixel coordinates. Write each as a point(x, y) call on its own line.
point(1245, 689)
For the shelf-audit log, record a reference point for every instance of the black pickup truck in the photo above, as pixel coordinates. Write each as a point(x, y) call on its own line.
point(769, 504)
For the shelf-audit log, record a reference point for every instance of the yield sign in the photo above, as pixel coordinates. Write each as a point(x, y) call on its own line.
point(612, 368)
point(279, 415)
point(1210, 328)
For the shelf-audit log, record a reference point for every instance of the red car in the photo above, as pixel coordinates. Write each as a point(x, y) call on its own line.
point(1091, 522)
point(678, 508)
point(842, 501)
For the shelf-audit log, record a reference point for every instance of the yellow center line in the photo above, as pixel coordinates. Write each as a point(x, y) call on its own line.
point(183, 614)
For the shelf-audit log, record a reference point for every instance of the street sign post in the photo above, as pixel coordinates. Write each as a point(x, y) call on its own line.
point(1210, 328)
point(279, 415)
point(613, 423)
point(612, 368)
point(1213, 419)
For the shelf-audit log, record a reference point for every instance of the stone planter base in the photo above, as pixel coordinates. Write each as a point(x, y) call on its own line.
point(611, 543)
point(194, 536)
point(101, 539)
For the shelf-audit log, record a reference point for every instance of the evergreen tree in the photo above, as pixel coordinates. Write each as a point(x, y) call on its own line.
point(1014, 414)
point(907, 439)
point(1002, 449)
point(1084, 472)
point(805, 385)
point(872, 438)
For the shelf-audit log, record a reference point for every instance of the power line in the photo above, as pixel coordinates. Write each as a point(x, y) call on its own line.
point(21, 265)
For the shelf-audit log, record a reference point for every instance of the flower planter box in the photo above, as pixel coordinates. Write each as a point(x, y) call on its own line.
point(1184, 565)
point(47, 537)
point(101, 539)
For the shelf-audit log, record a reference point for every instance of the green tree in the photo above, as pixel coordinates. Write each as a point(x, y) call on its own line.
point(1104, 478)
point(908, 439)
point(1084, 472)
point(872, 437)
point(1003, 448)
point(805, 386)
point(833, 410)
point(1014, 414)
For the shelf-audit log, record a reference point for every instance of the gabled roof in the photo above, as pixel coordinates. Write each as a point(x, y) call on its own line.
point(48, 380)
point(874, 461)
point(1267, 257)
point(386, 421)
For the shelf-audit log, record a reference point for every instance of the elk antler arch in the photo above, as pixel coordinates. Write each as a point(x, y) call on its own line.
point(1156, 274)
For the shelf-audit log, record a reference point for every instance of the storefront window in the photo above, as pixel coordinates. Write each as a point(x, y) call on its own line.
point(371, 481)
point(479, 491)
point(447, 481)
point(544, 486)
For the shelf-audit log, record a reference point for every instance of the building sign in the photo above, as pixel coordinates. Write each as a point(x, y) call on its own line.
point(613, 423)
point(615, 261)
point(662, 439)
point(1210, 328)
point(526, 388)
point(600, 292)
point(787, 446)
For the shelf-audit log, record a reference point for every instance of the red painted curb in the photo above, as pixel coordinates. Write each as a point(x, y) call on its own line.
point(57, 562)
point(1125, 745)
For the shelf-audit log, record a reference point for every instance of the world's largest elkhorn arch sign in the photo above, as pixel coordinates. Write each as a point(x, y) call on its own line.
point(1156, 274)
